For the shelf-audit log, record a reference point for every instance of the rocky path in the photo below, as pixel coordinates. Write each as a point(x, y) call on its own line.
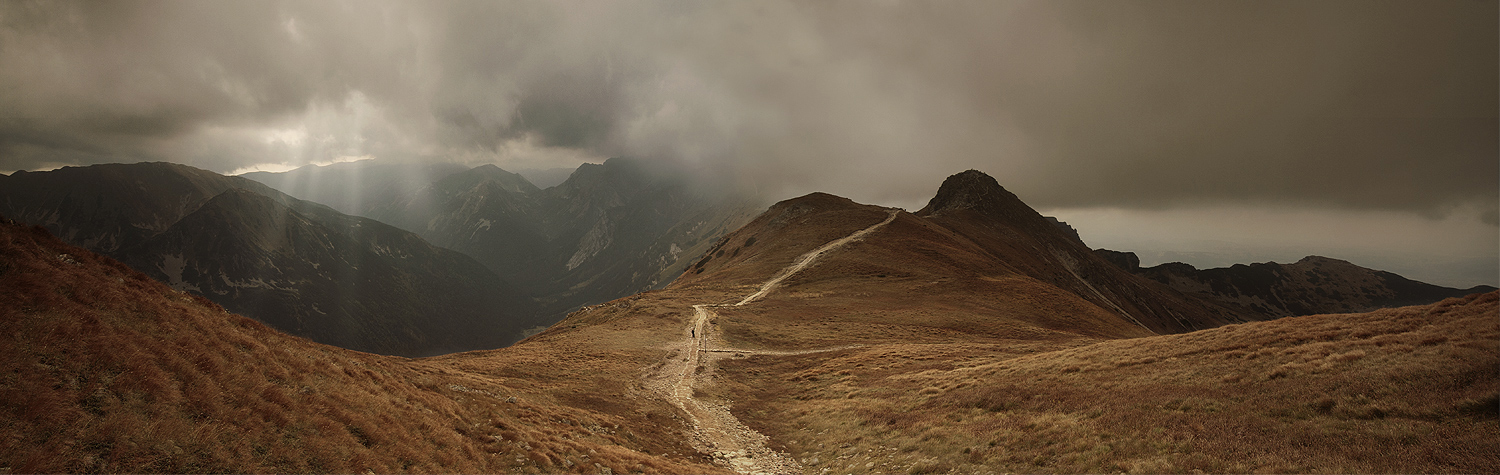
point(715, 430)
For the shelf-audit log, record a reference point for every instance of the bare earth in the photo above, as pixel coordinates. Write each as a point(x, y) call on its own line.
point(690, 361)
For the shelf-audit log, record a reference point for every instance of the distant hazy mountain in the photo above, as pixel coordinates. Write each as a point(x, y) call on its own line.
point(608, 231)
point(1310, 286)
point(569, 237)
point(356, 187)
point(297, 265)
point(545, 177)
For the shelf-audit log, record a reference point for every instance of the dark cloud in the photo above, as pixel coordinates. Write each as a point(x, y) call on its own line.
point(1375, 105)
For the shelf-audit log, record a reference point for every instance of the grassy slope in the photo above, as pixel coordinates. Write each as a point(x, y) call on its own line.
point(964, 368)
point(1410, 390)
point(103, 369)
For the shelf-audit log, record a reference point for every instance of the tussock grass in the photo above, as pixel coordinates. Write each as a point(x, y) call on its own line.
point(1411, 390)
point(105, 370)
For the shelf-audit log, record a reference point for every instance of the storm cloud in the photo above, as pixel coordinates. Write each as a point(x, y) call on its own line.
point(1148, 105)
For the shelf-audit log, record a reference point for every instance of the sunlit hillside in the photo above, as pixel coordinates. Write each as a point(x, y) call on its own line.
point(1408, 390)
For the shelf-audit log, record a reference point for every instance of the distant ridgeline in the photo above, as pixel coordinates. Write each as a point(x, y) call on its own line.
point(1310, 286)
point(525, 255)
point(298, 266)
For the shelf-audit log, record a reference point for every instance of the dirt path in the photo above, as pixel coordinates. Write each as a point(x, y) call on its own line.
point(716, 431)
point(807, 259)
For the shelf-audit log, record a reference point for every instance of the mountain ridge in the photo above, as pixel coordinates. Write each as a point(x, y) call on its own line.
point(354, 188)
point(609, 230)
point(975, 206)
point(1312, 285)
point(825, 335)
point(298, 265)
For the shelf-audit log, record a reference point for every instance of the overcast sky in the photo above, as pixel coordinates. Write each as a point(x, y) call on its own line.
point(1130, 117)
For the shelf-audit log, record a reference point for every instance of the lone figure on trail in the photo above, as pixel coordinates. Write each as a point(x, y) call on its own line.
point(694, 332)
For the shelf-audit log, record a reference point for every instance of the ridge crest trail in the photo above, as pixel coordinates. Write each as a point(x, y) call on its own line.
point(716, 431)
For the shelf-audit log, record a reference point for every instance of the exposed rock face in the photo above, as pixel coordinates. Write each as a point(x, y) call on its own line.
point(1313, 285)
point(974, 190)
point(1126, 261)
point(1066, 229)
point(299, 266)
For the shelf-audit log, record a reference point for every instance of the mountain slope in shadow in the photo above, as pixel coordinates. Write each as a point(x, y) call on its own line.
point(107, 370)
point(296, 265)
point(608, 231)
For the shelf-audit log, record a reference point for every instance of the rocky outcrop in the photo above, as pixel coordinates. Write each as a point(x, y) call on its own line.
point(1126, 261)
point(1066, 229)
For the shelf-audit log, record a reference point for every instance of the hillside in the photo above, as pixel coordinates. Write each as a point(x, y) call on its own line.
point(299, 266)
point(905, 350)
point(1409, 390)
point(106, 370)
point(825, 336)
point(362, 286)
point(1309, 286)
point(808, 352)
point(974, 206)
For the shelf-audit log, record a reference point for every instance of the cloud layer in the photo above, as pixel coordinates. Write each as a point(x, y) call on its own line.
point(1366, 105)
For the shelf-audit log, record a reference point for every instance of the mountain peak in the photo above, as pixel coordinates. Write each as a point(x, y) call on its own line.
point(488, 173)
point(818, 199)
point(974, 190)
point(1320, 260)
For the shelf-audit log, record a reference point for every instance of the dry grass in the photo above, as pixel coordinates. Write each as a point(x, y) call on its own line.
point(963, 368)
point(975, 358)
point(105, 370)
point(1410, 390)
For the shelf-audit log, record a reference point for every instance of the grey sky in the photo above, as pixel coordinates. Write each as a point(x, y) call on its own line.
point(1336, 106)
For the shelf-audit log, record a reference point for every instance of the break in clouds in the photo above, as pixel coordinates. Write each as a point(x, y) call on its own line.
point(1386, 106)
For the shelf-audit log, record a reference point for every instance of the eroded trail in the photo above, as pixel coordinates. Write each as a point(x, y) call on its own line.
point(716, 431)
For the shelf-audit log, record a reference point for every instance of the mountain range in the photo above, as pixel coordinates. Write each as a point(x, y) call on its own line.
point(298, 266)
point(823, 336)
point(607, 231)
point(1309, 286)
point(354, 188)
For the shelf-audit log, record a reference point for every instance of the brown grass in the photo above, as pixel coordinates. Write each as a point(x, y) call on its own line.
point(1410, 390)
point(105, 370)
point(962, 369)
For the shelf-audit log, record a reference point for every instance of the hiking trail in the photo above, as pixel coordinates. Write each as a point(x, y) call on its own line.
point(716, 431)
